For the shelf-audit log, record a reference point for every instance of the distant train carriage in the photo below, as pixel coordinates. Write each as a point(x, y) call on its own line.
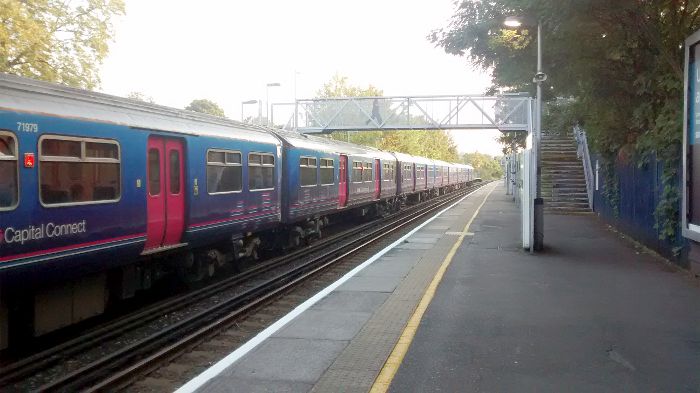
point(406, 180)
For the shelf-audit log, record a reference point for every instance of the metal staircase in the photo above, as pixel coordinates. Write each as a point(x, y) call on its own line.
point(563, 182)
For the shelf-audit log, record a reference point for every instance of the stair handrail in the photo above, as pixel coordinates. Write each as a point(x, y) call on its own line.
point(584, 155)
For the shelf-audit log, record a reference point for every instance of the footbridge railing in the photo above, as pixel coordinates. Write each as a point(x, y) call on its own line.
point(443, 112)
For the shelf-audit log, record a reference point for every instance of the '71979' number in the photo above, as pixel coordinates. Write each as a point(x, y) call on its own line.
point(27, 127)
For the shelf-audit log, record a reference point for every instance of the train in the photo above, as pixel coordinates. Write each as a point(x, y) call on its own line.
point(101, 195)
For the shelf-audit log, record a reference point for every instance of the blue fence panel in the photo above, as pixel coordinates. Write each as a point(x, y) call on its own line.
point(640, 189)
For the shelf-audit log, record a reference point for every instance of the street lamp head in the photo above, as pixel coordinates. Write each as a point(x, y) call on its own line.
point(250, 102)
point(274, 84)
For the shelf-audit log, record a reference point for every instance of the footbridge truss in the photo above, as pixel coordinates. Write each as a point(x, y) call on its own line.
point(443, 112)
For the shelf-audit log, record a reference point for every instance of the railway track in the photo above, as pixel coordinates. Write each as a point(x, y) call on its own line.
point(235, 297)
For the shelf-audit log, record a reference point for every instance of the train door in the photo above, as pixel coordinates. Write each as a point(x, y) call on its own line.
point(413, 181)
point(165, 193)
point(343, 181)
point(425, 176)
point(377, 178)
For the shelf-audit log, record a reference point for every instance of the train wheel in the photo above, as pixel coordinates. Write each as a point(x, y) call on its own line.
point(294, 239)
point(211, 268)
point(191, 269)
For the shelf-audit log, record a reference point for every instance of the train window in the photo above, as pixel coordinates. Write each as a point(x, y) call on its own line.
point(367, 172)
point(327, 168)
point(307, 171)
point(154, 172)
point(233, 158)
point(261, 171)
point(61, 148)
point(174, 172)
point(9, 180)
point(356, 172)
point(79, 170)
point(224, 172)
point(101, 150)
point(407, 171)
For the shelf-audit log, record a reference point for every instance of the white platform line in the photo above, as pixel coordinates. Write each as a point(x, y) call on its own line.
point(224, 363)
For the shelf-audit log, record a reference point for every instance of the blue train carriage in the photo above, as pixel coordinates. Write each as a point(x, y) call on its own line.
point(385, 182)
point(469, 174)
point(406, 182)
point(413, 176)
point(441, 176)
point(310, 187)
point(237, 204)
point(90, 182)
point(318, 184)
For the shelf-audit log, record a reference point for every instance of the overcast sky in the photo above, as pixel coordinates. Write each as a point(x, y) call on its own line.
point(227, 51)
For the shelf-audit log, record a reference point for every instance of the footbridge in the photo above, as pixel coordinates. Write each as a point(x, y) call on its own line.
point(442, 112)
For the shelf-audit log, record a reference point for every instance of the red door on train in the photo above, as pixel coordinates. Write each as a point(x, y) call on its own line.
point(377, 179)
point(343, 181)
point(165, 192)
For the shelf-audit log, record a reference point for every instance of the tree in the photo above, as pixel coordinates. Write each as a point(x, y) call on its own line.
point(55, 40)
point(620, 62)
point(138, 96)
point(205, 106)
point(486, 166)
point(339, 86)
point(436, 144)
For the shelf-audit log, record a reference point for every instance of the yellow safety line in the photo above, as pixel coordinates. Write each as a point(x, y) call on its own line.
point(381, 384)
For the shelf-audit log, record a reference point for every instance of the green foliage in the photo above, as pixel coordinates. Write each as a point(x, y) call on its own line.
point(339, 86)
point(486, 166)
point(138, 96)
point(205, 106)
point(56, 40)
point(432, 144)
point(621, 62)
point(512, 141)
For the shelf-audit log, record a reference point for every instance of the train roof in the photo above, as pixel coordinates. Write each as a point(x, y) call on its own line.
point(411, 158)
point(43, 98)
point(306, 141)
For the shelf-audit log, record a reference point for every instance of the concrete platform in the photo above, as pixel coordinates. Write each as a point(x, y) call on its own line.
point(340, 340)
point(589, 314)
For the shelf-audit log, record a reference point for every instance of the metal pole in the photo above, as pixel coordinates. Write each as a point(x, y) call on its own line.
point(538, 238)
point(242, 118)
point(267, 104)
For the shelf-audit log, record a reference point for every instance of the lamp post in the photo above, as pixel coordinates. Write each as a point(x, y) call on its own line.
point(246, 103)
point(540, 77)
point(267, 100)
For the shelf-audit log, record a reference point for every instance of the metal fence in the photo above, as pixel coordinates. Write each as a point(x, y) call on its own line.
point(640, 189)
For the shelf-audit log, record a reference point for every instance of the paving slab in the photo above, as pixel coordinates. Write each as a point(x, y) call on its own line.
point(288, 359)
point(371, 284)
point(351, 301)
point(325, 324)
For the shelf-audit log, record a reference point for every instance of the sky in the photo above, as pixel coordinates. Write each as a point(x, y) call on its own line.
point(228, 51)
